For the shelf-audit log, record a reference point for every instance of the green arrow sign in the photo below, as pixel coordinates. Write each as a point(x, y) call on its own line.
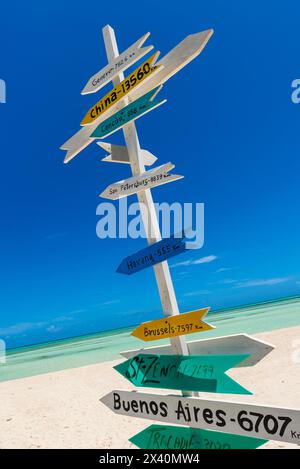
point(186, 373)
point(129, 113)
point(169, 437)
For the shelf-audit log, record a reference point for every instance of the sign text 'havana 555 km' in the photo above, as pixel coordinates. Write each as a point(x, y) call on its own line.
point(275, 423)
point(157, 252)
point(124, 89)
point(171, 437)
point(204, 373)
point(152, 178)
point(173, 326)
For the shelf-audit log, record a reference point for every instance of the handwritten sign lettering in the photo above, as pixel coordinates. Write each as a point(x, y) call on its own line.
point(171, 437)
point(119, 64)
point(275, 423)
point(184, 373)
point(173, 326)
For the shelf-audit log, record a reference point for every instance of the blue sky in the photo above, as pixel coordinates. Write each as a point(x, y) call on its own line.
point(229, 126)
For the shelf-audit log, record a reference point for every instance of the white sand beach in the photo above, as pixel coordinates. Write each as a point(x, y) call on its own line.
point(62, 409)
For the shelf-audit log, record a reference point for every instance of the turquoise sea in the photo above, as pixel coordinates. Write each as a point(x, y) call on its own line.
point(104, 346)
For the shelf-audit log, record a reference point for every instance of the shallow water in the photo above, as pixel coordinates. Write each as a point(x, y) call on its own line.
point(104, 346)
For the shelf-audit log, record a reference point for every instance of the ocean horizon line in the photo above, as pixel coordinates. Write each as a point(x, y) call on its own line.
point(108, 332)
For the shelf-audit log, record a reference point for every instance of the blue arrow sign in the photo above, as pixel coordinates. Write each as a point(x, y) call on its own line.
point(128, 113)
point(157, 252)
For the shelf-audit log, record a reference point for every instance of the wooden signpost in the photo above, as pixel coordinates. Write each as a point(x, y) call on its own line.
point(119, 154)
point(254, 348)
point(275, 423)
point(153, 178)
point(204, 373)
point(174, 326)
point(197, 366)
point(181, 438)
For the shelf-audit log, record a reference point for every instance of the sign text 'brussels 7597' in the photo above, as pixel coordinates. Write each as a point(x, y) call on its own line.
point(173, 326)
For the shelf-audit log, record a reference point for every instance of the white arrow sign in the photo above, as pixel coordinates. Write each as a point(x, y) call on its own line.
point(121, 63)
point(272, 423)
point(119, 154)
point(239, 344)
point(148, 179)
point(174, 61)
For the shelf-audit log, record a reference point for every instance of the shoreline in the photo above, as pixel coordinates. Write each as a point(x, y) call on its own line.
point(61, 409)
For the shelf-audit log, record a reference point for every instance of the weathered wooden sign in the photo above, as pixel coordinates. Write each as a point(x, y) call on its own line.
point(119, 154)
point(172, 437)
point(120, 64)
point(123, 90)
point(129, 113)
point(171, 63)
point(237, 343)
point(275, 423)
point(173, 326)
point(147, 180)
point(205, 373)
point(151, 255)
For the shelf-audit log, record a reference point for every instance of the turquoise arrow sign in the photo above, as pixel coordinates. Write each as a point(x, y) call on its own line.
point(129, 113)
point(185, 373)
point(169, 437)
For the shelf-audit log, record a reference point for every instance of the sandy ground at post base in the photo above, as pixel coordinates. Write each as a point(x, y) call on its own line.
point(62, 409)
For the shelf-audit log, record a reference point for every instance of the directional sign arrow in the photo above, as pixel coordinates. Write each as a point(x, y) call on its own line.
point(173, 326)
point(120, 64)
point(275, 423)
point(147, 180)
point(238, 343)
point(205, 373)
point(171, 437)
point(129, 113)
point(122, 91)
point(119, 154)
point(151, 255)
point(171, 63)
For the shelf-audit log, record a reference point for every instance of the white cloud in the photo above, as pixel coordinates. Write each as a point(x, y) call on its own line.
point(228, 281)
point(21, 327)
point(201, 260)
point(223, 269)
point(53, 328)
point(198, 292)
point(262, 282)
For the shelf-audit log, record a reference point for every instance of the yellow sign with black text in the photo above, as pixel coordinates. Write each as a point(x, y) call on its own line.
point(173, 326)
point(122, 90)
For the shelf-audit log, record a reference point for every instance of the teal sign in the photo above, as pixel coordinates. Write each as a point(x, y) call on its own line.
point(169, 437)
point(204, 373)
point(128, 113)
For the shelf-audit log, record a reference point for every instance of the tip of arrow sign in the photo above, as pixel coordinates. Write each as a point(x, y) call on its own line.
point(105, 146)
